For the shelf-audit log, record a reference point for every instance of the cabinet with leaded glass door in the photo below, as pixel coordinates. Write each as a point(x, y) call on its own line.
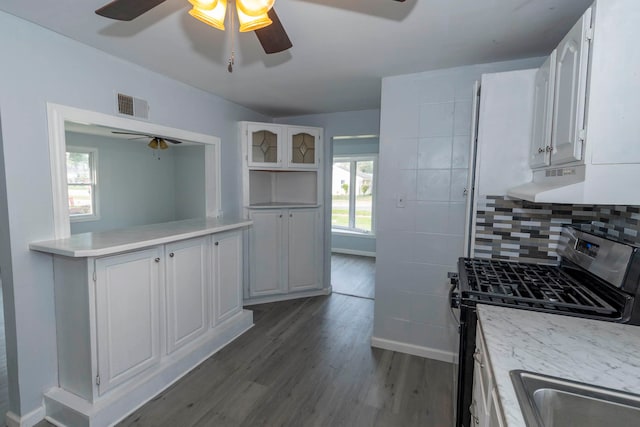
point(265, 143)
point(302, 146)
point(282, 192)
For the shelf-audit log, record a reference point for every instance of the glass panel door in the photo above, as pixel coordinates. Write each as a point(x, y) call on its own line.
point(303, 148)
point(264, 146)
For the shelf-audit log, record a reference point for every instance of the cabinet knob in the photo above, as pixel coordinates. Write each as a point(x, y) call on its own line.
point(216, 243)
point(290, 215)
point(540, 150)
point(157, 260)
point(171, 254)
point(548, 148)
point(280, 215)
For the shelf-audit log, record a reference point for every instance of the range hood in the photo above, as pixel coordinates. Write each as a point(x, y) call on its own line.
point(592, 184)
point(558, 185)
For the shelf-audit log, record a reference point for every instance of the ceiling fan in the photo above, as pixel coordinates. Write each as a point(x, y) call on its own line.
point(272, 37)
point(155, 142)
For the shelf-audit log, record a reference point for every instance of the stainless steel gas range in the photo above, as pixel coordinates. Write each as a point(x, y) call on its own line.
point(598, 277)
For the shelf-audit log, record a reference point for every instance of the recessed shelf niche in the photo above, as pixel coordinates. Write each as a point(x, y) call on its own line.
point(282, 188)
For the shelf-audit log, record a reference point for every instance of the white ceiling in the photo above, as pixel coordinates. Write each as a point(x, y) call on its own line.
point(341, 48)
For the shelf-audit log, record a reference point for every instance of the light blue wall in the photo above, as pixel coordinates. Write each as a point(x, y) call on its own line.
point(40, 66)
point(137, 185)
point(189, 182)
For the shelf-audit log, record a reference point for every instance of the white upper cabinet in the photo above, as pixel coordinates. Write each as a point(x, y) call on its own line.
point(302, 147)
point(568, 133)
point(543, 113)
point(264, 145)
point(595, 126)
point(280, 147)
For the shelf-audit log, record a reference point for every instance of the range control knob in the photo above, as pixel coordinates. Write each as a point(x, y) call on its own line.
point(455, 300)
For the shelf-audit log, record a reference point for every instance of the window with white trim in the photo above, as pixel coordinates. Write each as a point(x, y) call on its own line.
point(353, 194)
point(82, 183)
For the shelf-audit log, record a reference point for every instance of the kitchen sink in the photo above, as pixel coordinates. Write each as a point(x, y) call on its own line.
point(555, 402)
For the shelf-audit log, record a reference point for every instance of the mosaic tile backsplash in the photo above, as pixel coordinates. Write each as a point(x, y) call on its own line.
point(518, 230)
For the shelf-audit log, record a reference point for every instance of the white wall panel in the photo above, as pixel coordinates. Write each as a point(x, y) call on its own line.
point(417, 244)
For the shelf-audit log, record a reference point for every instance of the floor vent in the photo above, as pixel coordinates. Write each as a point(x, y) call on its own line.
point(135, 107)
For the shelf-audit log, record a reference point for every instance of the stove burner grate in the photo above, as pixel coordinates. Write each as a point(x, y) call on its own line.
point(536, 285)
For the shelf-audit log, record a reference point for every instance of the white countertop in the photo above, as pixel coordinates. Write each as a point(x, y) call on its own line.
point(114, 241)
point(590, 351)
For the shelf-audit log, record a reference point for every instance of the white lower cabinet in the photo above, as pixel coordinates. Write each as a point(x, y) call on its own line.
point(187, 283)
point(303, 249)
point(485, 406)
point(127, 312)
point(129, 324)
point(227, 276)
point(266, 253)
point(284, 252)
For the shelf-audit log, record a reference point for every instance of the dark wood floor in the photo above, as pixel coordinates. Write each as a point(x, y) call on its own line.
point(307, 362)
point(353, 275)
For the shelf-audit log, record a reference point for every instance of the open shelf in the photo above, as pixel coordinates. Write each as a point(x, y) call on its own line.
point(283, 188)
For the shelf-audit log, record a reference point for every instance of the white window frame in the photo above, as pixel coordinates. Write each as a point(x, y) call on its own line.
point(353, 159)
point(95, 199)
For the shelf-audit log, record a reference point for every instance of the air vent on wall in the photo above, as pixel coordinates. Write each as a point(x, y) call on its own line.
point(130, 106)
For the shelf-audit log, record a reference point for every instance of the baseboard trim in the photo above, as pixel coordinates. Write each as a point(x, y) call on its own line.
point(352, 252)
point(285, 297)
point(67, 409)
point(28, 420)
point(415, 350)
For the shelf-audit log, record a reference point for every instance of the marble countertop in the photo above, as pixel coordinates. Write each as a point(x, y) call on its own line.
point(595, 352)
point(115, 241)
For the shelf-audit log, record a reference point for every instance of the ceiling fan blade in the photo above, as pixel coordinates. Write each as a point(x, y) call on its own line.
point(144, 135)
point(131, 133)
point(274, 38)
point(127, 10)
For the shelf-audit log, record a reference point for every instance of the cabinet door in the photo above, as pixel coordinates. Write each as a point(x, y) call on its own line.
point(479, 415)
point(304, 249)
point(570, 93)
point(266, 253)
point(303, 146)
point(543, 113)
point(127, 312)
point(264, 145)
point(495, 413)
point(227, 268)
point(187, 280)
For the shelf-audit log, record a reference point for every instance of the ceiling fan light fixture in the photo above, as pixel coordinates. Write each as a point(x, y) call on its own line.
point(254, 7)
point(204, 4)
point(252, 23)
point(153, 143)
point(163, 144)
point(214, 17)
